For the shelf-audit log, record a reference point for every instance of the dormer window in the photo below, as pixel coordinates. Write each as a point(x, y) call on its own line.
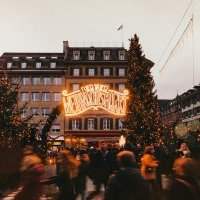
point(9, 65)
point(91, 55)
point(54, 57)
point(122, 55)
point(106, 55)
point(29, 57)
point(76, 55)
point(15, 57)
point(38, 65)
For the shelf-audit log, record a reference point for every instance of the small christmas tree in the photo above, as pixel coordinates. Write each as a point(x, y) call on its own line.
point(143, 120)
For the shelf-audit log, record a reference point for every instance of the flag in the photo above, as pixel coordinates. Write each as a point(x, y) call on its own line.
point(120, 27)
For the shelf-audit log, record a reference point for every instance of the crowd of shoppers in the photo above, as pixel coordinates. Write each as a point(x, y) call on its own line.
point(149, 173)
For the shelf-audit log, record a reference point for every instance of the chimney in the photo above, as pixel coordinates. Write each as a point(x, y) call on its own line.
point(65, 48)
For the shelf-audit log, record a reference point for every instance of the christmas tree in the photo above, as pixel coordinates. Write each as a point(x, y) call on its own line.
point(14, 129)
point(143, 120)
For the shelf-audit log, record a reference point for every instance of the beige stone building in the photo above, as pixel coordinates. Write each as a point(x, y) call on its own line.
point(43, 76)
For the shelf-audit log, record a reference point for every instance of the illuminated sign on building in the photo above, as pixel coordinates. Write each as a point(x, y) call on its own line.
point(95, 96)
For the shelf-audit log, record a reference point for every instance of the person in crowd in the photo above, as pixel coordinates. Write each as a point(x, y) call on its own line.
point(98, 171)
point(82, 174)
point(149, 165)
point(66, 174)
point(32, 170)
point(184, 150)
point(127, 183)
point(184, 185)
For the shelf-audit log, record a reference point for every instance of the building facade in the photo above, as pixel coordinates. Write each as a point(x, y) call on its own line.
point(43, 77)
point(183, 110)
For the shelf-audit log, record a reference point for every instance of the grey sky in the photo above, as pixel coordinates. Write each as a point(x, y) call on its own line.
point(41, 26)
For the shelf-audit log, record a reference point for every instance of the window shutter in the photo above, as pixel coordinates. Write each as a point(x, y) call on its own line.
point(101, 123)
point(80, 124)
point(70, 124)
point(117, 124)
point(111, 71)
point(81, 71)
point(117, 71)
point(111, 123)
point(86, 123)
point(95, 123)
point(87, 71)
point(96, 72)
point(102, 71)
point(71, 71)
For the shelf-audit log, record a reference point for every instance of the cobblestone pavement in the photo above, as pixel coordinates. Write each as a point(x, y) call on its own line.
point(50, 192)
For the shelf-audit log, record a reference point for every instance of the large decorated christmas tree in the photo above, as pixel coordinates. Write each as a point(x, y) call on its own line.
point(143, 120)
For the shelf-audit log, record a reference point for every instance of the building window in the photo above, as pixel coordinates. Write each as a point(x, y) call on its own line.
point(45, 112)
point(122, 55)
point(36, 96)
point(76, 55)
point(15, 57)
point(106, 124)
point(38, 65)
point(9, 65)
point(24, 96)
point(121, 71)
point(91, 55)
point(57, 96)
point(57, 81)
point(54, 57)
point(47, 80)
point(75, 86)
point(91, 72)
point(106, 72)
point(120, 124)
point(76, 124)
point(46, 96)
point(52, 65)
point(91, 124)
point(29, 57)
point(24, 113)
point(26, 81)
point(76, 72)
point(23, 65)
point(36, 80)
point(106, 55)
point(35, 111)
point(121, 87)
point(14, 80)
point(55, 128)
point(42, 57)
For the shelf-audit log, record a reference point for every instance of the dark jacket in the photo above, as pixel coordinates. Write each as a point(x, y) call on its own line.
point(127, 184)
point(183, 188)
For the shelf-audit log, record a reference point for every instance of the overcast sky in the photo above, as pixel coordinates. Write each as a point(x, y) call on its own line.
point(42, 25)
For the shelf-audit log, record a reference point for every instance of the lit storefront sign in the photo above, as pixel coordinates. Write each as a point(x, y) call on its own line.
point(95, 96)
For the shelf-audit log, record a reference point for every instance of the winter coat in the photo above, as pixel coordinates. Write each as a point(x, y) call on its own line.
point(183, 188)
point(127, 184)
point(32, 170)
point(148, 167)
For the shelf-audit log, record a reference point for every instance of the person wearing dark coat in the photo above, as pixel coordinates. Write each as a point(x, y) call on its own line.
point(184, 185)
point(81, 179)
point(127, 183)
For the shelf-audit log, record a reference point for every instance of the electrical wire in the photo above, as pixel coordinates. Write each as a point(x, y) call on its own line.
point(175, 31)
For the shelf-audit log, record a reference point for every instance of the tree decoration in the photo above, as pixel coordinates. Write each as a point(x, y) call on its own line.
point(143, 118)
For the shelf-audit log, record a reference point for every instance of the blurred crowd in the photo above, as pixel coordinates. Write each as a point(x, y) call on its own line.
point(137, 173)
